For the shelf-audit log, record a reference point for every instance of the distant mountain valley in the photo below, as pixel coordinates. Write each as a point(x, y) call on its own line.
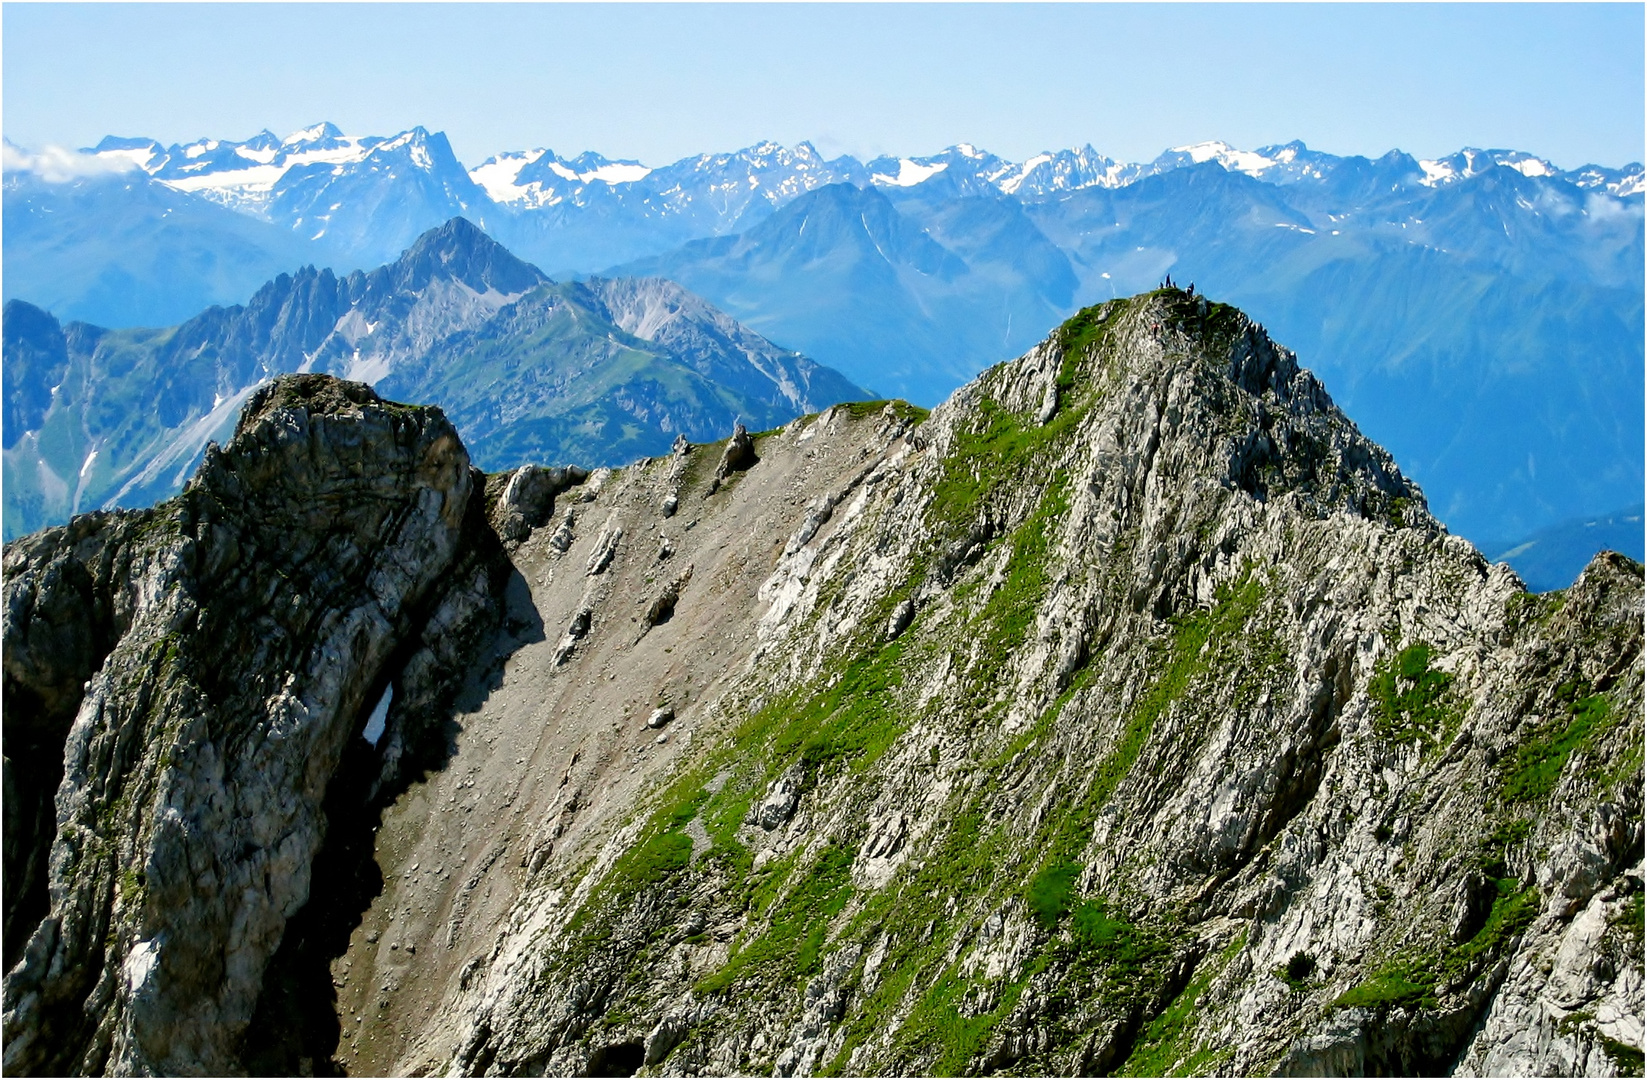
point(593, 373)
point(1481, 314)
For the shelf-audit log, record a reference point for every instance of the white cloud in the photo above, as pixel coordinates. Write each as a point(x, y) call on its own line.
point(57, 165)
point(1602, 207)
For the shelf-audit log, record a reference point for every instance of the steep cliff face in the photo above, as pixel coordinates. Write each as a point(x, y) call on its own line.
point(199, 670)
point(1130, 713)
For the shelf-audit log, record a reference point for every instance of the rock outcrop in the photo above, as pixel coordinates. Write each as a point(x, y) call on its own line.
point(1128, 714)
point(1131, 714)
point(203, 666)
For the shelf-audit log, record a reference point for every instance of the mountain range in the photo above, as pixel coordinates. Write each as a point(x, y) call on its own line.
point(1481, 313)
point(358, 201)
point(1552, 558)
point(1128, 714)
point(594, 373)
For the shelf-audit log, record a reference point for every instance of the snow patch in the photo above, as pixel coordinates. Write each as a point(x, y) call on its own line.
point(380, 716)
point(309, 134)
point(1437, 172)
point(136, 157)
point(1014, 181)
point(1243, 161)
point(142, 962)
point(617, 173)
point(497, 176)
point(910, 173)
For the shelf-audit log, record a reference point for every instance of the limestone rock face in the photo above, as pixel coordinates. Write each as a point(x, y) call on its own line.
point(528, 498)
point(210, 659)
point(1129, 713)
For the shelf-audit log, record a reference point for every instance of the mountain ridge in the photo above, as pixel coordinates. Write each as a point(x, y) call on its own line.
point(113, 417)
point(1128, 714)
point(1290, 162)
point(1500, 294)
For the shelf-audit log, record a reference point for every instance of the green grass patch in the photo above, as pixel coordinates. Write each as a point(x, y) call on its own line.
point(1538, 763)
point(856, 719)
point(1412, 983)
point(1078, 334)
point(1411, 699)
point(941, 1029)
point(1628, 1059)
point(657, 858)
point(1003, 448)
point(1051, 892)
point(1112, 941)
point(905, 411)
point(789, 950)
point(1513, 911)
point(1163, 1048)
point(1409, 985)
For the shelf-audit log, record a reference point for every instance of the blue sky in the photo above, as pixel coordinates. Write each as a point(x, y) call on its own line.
point(658, 82)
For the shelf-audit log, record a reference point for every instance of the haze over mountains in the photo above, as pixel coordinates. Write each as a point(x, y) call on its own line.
point(1480, 314)
point(592, 373)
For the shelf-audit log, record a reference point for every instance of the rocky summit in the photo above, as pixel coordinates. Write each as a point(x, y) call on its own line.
point(1129, 713)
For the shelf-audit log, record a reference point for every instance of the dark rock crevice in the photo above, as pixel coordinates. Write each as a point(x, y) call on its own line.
point(61, 623)
point(465, 632)
point(247, 620)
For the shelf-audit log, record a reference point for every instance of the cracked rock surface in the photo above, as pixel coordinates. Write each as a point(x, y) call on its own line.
point(227, 640)
point(1128, 714)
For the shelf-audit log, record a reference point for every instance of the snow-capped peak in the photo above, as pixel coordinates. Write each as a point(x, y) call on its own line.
point(1233, 160)
point(242, 175)
point(1622, 182)
point(128, 153)
point(717, 189)
point(531, 178)
point(910, 173)
point(496, 175)
point(616, 172)
point(1470, 162)
point(321, 131)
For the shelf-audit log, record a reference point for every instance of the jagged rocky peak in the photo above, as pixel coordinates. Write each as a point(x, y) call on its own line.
point(1127, 714)
point(316, 395)
point(1172, 367)
point(195, 674)
point(461, 251)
